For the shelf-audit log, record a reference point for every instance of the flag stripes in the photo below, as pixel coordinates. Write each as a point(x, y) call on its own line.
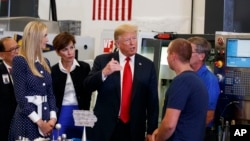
point(112, 10)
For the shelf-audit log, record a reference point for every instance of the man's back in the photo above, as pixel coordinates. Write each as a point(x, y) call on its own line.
point(212, 84)
point(188, 94)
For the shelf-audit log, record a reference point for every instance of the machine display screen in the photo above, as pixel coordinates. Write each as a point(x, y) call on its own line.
point(238, 53)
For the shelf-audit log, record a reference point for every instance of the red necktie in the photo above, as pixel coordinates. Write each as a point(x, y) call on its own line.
point(126, 92)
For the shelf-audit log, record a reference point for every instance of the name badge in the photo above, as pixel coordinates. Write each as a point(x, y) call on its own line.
point(6, 78)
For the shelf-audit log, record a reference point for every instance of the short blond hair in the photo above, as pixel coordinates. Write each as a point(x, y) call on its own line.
point(124, 28)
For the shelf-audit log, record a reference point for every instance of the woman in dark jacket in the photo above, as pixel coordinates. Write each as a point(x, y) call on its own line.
point(68, 76)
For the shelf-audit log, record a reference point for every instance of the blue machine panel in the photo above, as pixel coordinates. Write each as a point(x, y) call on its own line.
point(238, 53)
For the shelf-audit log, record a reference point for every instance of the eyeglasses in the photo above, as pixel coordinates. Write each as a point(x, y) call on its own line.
point(197, 52)
point(12, 50)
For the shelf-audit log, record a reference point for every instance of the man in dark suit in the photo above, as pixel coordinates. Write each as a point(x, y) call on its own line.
point(107, 78)
point(8, 49)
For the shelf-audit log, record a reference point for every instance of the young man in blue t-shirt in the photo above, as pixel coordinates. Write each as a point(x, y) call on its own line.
point(186, 100)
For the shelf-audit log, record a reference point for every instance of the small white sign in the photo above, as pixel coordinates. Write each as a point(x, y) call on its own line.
point(84, 118)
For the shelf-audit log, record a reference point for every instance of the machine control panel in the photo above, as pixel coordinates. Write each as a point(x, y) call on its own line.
point(232, 63)
point(237, 82)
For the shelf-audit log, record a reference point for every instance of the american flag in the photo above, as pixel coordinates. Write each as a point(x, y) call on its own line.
point(118, 10)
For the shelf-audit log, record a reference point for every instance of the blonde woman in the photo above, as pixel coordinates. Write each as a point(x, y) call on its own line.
point(35, 115)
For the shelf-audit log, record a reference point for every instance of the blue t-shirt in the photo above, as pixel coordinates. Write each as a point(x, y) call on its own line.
point(188, 93)
point(212, 84)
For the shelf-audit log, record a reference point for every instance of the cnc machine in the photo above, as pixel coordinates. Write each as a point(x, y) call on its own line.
point(232, 66)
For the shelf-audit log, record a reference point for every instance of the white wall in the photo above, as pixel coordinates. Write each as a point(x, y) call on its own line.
point(199, 16)
point(149, 15)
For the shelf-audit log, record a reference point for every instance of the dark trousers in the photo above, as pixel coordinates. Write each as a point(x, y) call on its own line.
point(121, 132)
point(210, 135)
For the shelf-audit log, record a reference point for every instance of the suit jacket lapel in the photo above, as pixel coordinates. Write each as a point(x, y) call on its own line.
point(137, 69)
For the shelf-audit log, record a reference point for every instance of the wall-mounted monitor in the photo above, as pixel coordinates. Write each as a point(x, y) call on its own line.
point(238, 52)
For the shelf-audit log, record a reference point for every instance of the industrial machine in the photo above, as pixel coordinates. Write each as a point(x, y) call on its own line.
point(84, 47)
point(154, 46)
point(232, 66)
point(14, 26)
point(229, 60)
